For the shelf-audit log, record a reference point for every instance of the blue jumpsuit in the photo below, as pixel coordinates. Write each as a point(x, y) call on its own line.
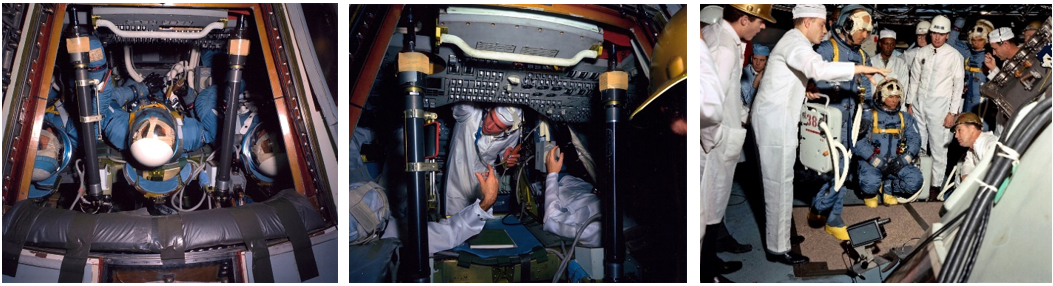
point(974, 75)
point(844, 97)
point(51, 115)
point(748, 91)
point(900, 178)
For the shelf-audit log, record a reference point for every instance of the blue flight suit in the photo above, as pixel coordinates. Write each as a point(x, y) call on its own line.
point(844, 97)
point(887, 166)
point(52, 115)
point(974, 75)
point(748, 91)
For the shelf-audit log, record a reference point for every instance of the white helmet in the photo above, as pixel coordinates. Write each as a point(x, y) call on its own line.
point(940, 24)
point(49, 155)
point(922, 28)
point(889, 87)
point(981, 29)
point(711, 14)
point(153, 141)
point(268, 154)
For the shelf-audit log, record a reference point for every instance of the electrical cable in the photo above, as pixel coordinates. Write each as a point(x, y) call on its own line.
point(570, 255)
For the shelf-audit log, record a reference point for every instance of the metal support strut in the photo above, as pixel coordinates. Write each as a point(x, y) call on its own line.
point(412, 72)
point(79, 46)
point(237, 53)
point(613, 86)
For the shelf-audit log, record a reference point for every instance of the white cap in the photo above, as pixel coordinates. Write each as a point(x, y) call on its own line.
point(809, 11)
point(711, 14)
point(922, 28)
point(1000, 35)
point(509, 116)
point(887, 34)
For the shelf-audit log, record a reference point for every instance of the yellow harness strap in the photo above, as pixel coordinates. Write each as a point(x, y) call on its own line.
point(837, 55)
point(972, 69)
point(876, 130)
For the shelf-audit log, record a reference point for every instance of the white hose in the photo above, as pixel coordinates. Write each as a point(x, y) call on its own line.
point(947, 183)
point(158, 34)
point(573, 246)
point(530, 59)
point(835, 147)
point(128, 64)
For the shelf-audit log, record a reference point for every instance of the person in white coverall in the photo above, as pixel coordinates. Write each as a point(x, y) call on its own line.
point(711, 115)
point(887, 60)
point(937, 80)
point(467, 222)
point(479, 138)
point(569, 203)
point(968, 129)
point(921, 32)
point(725, 40)
point(777, 113)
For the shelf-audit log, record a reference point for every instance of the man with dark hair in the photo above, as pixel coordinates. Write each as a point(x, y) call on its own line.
point(741, 22)
point(1003, 45)
point(968, 130)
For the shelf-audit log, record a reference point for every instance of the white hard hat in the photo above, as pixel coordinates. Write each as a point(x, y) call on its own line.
point(153, 141)
point(940, 24)
point(711, 14)
point(922, 28)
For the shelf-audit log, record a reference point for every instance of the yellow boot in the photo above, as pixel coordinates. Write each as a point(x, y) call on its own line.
point(889, 199)
point(839, 232)
point(871, 202)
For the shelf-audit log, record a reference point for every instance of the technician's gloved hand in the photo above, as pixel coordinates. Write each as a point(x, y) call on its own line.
point(488, 184)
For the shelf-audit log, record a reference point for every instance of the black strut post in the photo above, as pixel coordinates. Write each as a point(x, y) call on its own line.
point(78, 45)
point(237, 52)
point(413, 69)
point(613, 86)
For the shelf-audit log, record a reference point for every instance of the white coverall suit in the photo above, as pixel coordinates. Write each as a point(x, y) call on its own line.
point(900, 71)
point(569, 202)
point(719, 163)
point(468, 152)
point(937, 80)
point(711, 115)
point(776, 115)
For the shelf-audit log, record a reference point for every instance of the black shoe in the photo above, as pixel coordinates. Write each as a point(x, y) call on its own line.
point(934, 194)
point(721, 279)
point(729, 245)
point(797, 239)
point(728, 267)
point(788, 258)
point(726, 242)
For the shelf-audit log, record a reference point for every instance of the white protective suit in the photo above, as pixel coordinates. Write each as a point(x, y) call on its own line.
point(908, 57)
point(776, 114)
point(978, 152)
point(568, 204)
point(719, 163)
point(457, 229)
point(712, 100)
point(468, 152)
point(937, 79)
point(899, 67)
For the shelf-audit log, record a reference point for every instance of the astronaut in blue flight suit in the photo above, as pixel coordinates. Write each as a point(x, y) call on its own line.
point(852, 28)
point(973, 52)
point(156, 139)
point(887, 148)
point(58, 136)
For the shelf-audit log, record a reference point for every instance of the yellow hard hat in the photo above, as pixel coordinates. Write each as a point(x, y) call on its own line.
point(760, 10)
point(669, 59)
point(1034, 25)
point(970, 118)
